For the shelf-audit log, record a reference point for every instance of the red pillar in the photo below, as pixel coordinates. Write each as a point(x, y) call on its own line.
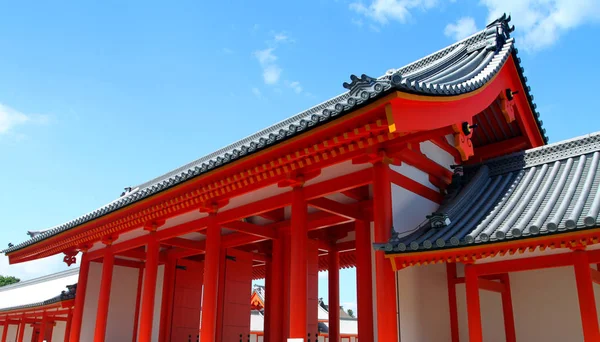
point(275, 291)
point(507, 308)
point(167, 300)
point(80, 299)
point(5, 330)
point(21, 329)
point(585, 293)
point(387, 320)
point(364, 279)
point(68, 325)
point(138, 301)
point(334, 296)
point(298, 266)
point(149, 289)
point(211, 280)
point(42, 335)
point(104, 296)
point(473, 306)
point(268, 303)
point(286, 289)
point(451, 276)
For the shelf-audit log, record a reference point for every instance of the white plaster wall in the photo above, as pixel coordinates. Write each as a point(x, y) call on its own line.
point(433, 152)
point(12, 333)
point(157, 303)
point(58, 333)
point(28, 332)
point(409, 209)
point(423, 304)
point(37, 290)
point(121, 308)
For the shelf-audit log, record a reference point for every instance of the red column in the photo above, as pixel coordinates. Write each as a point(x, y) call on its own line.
point(211, 280)
point(68, 325)
point(451, 276)
point(274, 292)
point(473, 307)
point(364, 279)
point(80, 299)
point(286, 289)
point(387, 320)
point(149, 289)
point(167, 300)
point(104, 296)
point(334, 296)
point(507, 308)
point(21, 329)
point(5, 330)
point(138, 301)
point(42, 335)
point(268, 304)
point(585, 292)
point(298, 266)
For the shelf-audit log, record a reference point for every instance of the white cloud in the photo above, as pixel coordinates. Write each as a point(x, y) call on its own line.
point(296, 87)
point(266, 56)
point(463, 28)
point(281, 37)
point(227, 51)
point(384, 11)
point(540, 23)
point(11, 118)
point(256, 92)
point(271, 74)
point(36, 268)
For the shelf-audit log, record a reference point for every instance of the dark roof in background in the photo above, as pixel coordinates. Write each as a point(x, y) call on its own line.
point(547, 190)
point(460, 68)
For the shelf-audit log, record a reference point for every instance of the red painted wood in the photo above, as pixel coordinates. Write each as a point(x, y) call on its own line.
point(507, 309)
point(312, 290)
point(21, 331)
point(275, 292)
point(166, 307)
point(68, 325)
point(473, 305)
point(298, 266)
point(334, 296)
point(237, 288)
point(364, 282)
point(211, 280)
point(5, 331)
point(187, 300)
point(451, 276)
point(48, 328)
point(149, 289)
point(387, 320)
point(80, 298)
point(585, 293)
point(104, 296)
point(268, 305)
point(286, 284)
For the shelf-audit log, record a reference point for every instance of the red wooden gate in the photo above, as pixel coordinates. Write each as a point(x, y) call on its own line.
point(187, 300)
point(238, 288)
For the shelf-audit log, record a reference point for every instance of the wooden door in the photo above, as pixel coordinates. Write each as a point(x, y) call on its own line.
point(187, 301)
point(238, 289)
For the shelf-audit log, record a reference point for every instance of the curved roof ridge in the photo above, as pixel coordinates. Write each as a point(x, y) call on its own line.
point(42, 279)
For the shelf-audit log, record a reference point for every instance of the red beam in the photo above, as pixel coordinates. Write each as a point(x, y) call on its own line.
point(339, 184)
point(344, 210)
point(128, 263)
point(346, 246)
point(526, 264)
point(251, 229)
point(138, 253)
point(490, 285)
point(415, 187)
point(501, 148)
point(443, 143)
point(595, 276)
point(359, 193)
point(421, 162)
point(274, 215)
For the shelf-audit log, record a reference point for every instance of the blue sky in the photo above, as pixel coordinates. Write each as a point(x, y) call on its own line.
point(97, 96)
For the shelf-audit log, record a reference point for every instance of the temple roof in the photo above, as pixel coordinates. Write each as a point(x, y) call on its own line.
point(457, 69)
point(547, 190)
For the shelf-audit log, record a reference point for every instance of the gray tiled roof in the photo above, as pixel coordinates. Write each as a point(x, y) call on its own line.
point(63, 296)
point(546, 190)
point(460, 68)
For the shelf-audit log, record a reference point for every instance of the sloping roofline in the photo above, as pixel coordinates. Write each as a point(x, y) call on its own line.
point(361, 91)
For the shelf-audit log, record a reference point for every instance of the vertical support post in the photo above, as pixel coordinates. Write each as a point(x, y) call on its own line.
point(507, 309)
point(42, 335)
point(104, 296)
point(268, 303)
point(5, 330)
point(299, 266)
point(585, 293)
point(80, 298)
point(387, 320)
point(68, 325)
point(473, 306)
point(22, 329)
point(286, 289)
point(334, 295)
point(364, 279)
point(138, 301)
point(451, 278)
point(211, 280)
point(167, 300)
point(149, 289)
point(275, 292)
